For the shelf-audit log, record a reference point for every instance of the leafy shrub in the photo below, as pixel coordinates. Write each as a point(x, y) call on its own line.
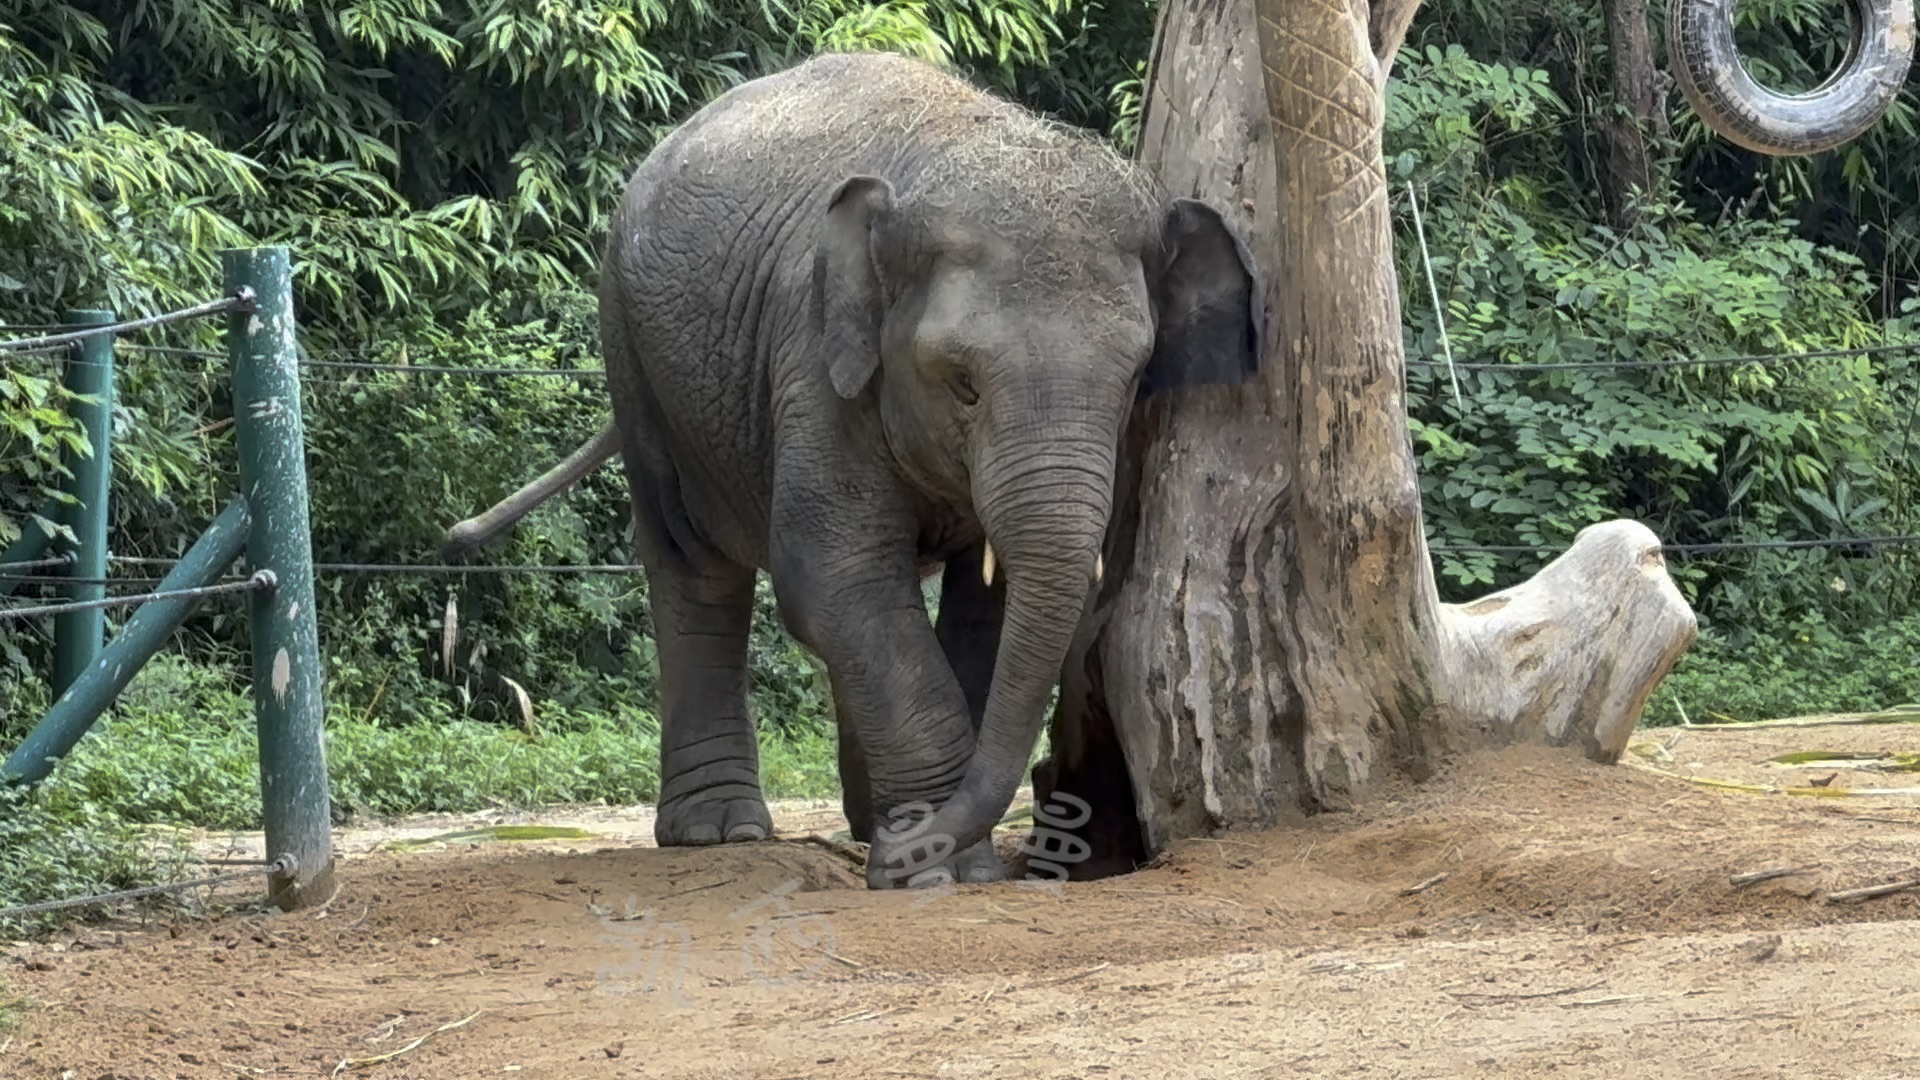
point(1811, 669)
point(1699, 453)
point(55, 843)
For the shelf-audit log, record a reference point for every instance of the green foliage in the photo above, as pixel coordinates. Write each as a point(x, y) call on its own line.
point(436, 151)
point(182, 749)
point(1811, 668)
point(56, 843)
point(36, 429)
point(1700, 453)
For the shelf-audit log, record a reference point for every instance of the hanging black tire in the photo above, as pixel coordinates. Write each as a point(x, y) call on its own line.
point(1707, 67)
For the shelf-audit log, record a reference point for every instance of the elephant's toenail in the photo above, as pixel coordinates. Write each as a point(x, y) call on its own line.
point(746, 832)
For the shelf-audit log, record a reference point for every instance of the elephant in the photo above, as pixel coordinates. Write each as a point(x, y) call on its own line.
point(864, 321)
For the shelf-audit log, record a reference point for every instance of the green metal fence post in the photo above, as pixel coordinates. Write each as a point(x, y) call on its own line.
point(139, 638)
point(78, 636)
point(288, 705)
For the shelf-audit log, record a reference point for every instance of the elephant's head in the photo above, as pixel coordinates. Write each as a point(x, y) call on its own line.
point(1004, 360)
point(1706, 65)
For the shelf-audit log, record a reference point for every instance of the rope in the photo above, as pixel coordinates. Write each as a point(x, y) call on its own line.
point(360, 365)
point(1433, 289)
point(426, 568)
point(261, 580)
point(174, 350)
point(241, 300)
point(283, 864)
point(1765, 359)
point(61, 579)
point(1701, 361)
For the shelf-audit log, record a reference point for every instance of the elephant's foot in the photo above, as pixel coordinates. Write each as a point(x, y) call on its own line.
point(731, 813)
point(979, 863)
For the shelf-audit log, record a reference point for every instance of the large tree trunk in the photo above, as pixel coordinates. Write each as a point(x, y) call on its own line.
point(1640, 110)
point(1269, 638)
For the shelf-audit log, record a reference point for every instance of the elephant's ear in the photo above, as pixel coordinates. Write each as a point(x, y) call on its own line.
point(846, 284)
point(1209, 303)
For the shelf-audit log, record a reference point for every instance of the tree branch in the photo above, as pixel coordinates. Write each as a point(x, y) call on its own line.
point(1386, 29)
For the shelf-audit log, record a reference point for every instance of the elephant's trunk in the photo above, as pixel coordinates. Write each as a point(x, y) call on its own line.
point(1045, 515)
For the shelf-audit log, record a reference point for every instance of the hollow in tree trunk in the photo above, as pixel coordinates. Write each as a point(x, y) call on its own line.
point(1269, 638)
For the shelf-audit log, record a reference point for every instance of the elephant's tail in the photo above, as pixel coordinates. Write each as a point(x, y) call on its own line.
point(481, 528)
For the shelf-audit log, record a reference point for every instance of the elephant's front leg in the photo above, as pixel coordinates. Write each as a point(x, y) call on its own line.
point(862, 612)
point(709, 758)
point(968, 629)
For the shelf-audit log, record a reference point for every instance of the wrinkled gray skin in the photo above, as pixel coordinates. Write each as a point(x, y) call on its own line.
point(860, 318)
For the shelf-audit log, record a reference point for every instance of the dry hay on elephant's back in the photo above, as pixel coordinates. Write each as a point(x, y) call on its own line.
point(1007, 166)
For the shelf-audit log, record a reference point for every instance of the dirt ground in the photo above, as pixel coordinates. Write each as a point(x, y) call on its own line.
point(1585, 925)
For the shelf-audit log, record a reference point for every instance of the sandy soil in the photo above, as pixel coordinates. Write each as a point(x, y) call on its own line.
point(1586, 926)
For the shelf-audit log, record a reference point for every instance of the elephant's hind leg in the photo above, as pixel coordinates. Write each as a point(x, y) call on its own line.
point(856, 787)
point(709, 759)
point(702, 607)
point(968, 627)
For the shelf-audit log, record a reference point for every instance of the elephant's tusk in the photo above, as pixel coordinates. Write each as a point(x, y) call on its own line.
point(986, 566)
point(1099, 568)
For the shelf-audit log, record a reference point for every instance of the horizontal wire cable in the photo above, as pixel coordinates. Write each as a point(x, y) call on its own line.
point(1697, 361)
point(283, 864)
point(1762, 359)
point(35, 564)
point(426, 569)
point(429, 568)
point(430, 369)
point(261, 579)
point(1684, 549)
point(239, 301)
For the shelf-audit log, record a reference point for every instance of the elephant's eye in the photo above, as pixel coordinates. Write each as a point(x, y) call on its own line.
point(963, 389)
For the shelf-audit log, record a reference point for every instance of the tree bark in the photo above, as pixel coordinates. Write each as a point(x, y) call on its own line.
point(1640, 110)
point(1269, 638)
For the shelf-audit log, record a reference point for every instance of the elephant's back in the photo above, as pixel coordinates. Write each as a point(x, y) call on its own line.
point(777, 147)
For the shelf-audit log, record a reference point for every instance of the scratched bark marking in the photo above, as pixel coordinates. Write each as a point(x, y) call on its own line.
point(1210, 632)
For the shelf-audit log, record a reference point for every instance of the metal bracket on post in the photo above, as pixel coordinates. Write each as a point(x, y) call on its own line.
point(288, 699)
point(78, 636)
